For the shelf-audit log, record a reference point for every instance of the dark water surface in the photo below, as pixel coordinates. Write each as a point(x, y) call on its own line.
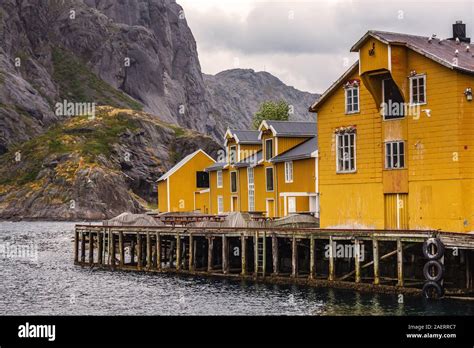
point(38, 278)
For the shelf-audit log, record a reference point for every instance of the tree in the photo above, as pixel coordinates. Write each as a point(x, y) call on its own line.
point(270, 110)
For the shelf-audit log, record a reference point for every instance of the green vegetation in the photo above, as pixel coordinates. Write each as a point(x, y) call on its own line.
point(79, 84)
point(270, 110)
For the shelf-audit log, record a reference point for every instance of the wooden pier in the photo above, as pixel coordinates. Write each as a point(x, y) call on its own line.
point(383, 261)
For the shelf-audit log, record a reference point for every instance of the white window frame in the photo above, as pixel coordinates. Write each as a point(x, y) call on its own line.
point(354, 105)
point(220, 204)
point(389, 161)
point(232, 148)
point(291, 211)
point(339, 137)
point(236, 181)
point(289, 172)
point(266, 179)
point(251, 188)
point(266, 154)
point(417, 77)
point(219, 179)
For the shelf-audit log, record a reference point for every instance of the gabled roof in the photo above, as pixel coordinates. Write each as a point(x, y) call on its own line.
point(243, 136)
point(250, 161)
point(441, 51)
point(181, 163)
point(303, 151)
point(289, 128)
point(216, 166)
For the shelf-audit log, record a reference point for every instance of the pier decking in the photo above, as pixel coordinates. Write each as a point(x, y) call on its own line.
point(384, 261)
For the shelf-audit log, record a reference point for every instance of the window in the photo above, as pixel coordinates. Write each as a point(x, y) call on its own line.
point(395, 155)
point(393, 104)
point(352, 100)
point(202, 180)
point(346, 161)
point(232, 154)
point(418, 89)
point(269, 178)
point(288, 172)
point(220, 204)
point(291, 205)
point(233, 182)
point(219, 179)
point(268, 149)
point(251, 188)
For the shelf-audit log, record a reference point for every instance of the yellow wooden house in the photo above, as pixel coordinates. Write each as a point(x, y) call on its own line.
point(396, 135)
point(185, 187)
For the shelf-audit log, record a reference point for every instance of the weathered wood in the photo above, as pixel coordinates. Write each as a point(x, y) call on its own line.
point(357, 254)
point(132, 251)
point(191, 253)
point(100, 250)
point(112, 250)
point(139, 252)
point(210, 252)
point(275, 254)
point(400, 262)
point(76, 246)
point(121, 250)
point(243, 246)
point(91, 248)
point(178, 252)
point(368, 264)
point(264, 254)
point(375, 251)
point(149, 260)
point(255, 252)
point(83, 248)
point(158, 251)
point(312, 258)
point(332, 270)
point(225, 255)
point(294, 258)
point(468, 269)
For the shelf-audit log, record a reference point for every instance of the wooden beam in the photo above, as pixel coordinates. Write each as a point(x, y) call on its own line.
point(76, 246)
point(225, 255)
point(400, 262)
point(191, 253)
point(275, 254)
point(312, 258)
point(158, 251)
point(132, 251)
point(149, 261)
point(243, 254)
point(264, 254)
point(255, 252)
point(91, 248)
point(121, 251)
point(357, 260)
point(83, 248)
point(112, 250)
point(178, 252)
point(332, 270)
point(139, 252)
point(294, 258)
point(100, 248)
point(375, 250)
point(210, 252)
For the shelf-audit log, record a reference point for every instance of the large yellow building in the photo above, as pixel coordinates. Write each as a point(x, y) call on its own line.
point(396, 136)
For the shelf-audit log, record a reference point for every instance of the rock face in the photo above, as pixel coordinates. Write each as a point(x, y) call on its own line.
point(238, 94)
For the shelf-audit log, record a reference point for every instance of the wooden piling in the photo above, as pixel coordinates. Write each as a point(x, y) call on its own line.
point(357, 260)
point(149, 260)
point(178, 252)
point(332, 270)
point(210, 252)
point(76, 247)
point(100, 248)
point(191, 253)
point(121, 250)
point(243, 246)
point(225, 255)
point(91, 248)
point(275, 254)
point(294, 258)
point(375, 251)
point(83, 248)
point(112, 250)
point(400, 262)
point(312, 258)
point(139, 252)
point(158, 251)
point(264, 254)
point(255, 252)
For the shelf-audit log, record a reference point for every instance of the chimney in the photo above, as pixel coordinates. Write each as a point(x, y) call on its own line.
point(459, 32)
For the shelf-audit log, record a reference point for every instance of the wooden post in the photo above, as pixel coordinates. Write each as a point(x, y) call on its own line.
point(91, 248)
point(112, 250)
point(468, 269)
point(100, 249)
point(158, 251)
point(121, 251)
point(243, 245)
point(275, 254)
point(139, 251)
point(312, 259)
point(264, 254)
point(400, 262)
point(225, 255)
point(375, 247)
point(191, 253)
point(255, 252)
point(294, 258)
point(149, 260)
point(357, 260)
point(83, 248)
point(132, 251)
point(331, 260)
point(210, 253)
point(76, 246)
point(178, 252)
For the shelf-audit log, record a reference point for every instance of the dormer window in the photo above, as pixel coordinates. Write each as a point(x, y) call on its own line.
point(352, 96)
point(268, 149)
point(418, 90)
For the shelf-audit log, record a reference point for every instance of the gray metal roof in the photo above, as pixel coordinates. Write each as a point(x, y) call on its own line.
point(215, 167)
point(252, 160)
point(247, 136)
point(441, 51)
point(302, 151)
point(292, 128)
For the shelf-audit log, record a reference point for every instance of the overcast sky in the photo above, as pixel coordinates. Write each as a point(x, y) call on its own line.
point(306, 43)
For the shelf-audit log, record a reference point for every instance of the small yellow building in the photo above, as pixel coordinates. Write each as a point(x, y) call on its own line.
point(185, 187)
point(396, 136)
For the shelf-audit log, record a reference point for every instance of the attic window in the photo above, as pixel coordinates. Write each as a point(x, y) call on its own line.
point(352, 96)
